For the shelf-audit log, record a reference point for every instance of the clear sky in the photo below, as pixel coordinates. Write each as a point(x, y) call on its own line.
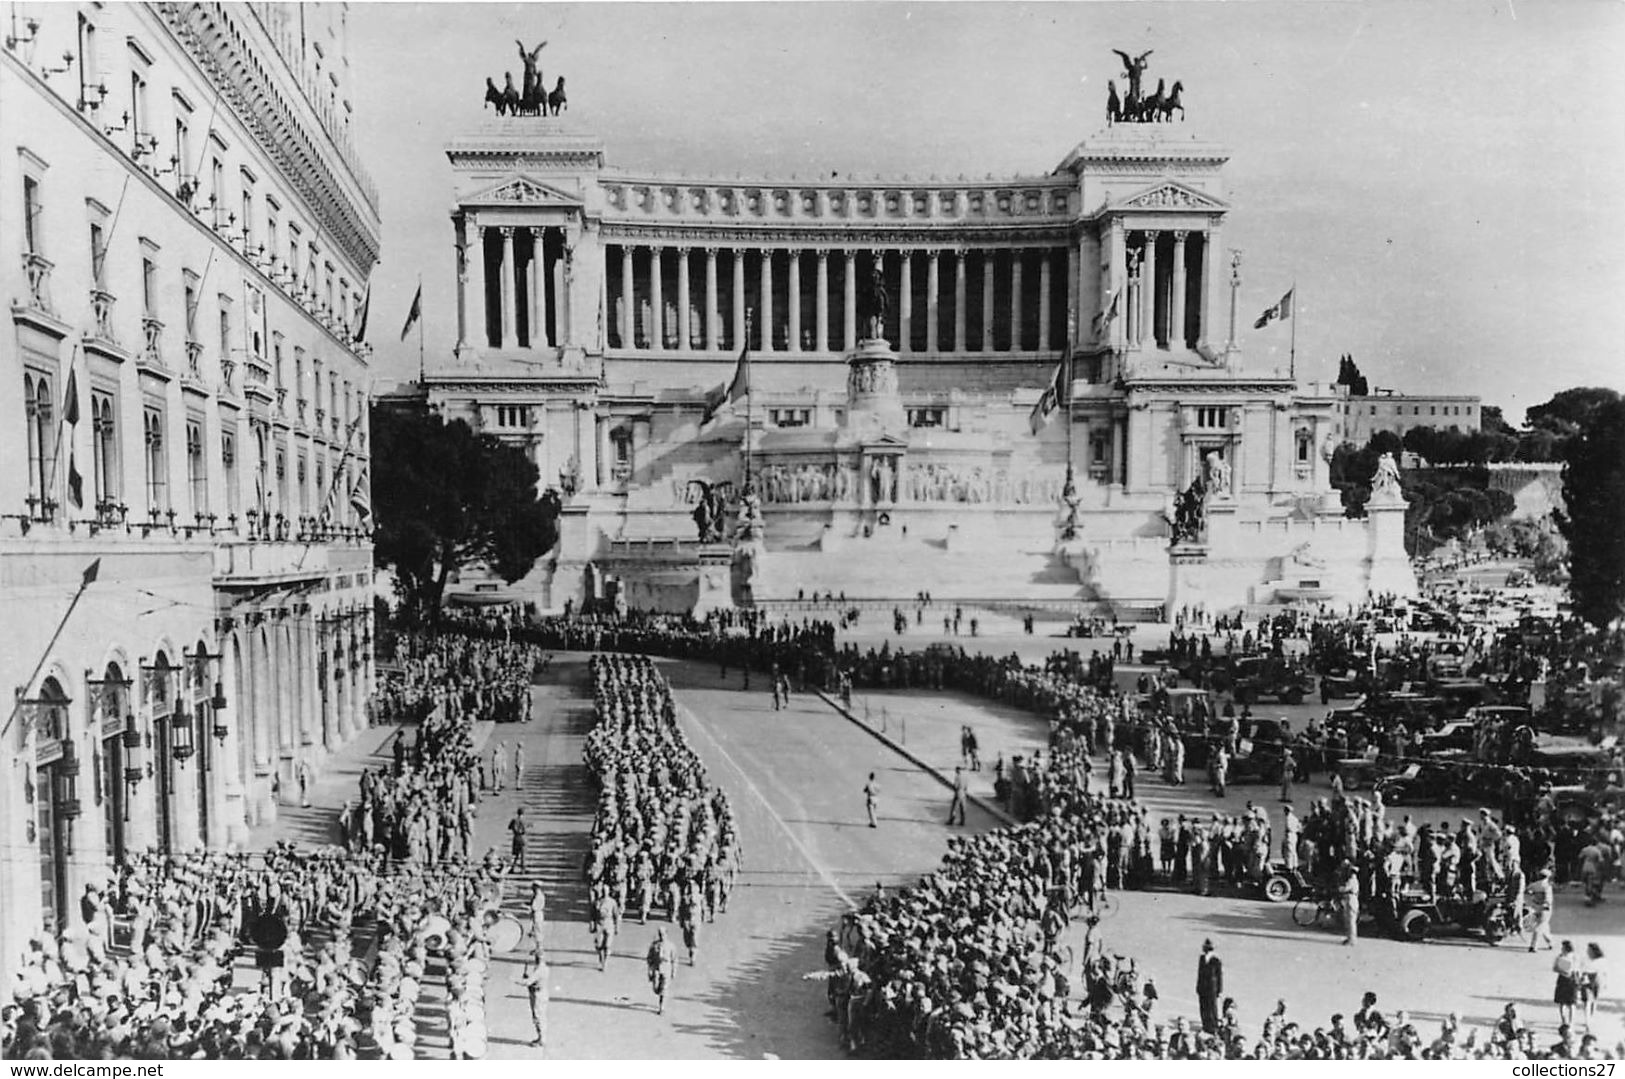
point(1443, 181)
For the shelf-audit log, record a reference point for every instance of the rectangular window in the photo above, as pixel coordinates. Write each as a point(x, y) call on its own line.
point(246, 221)
point(149, 288)
point(225, 331)
point(304, 488)
point(271, 236)
point(90, 90)
point(197, 473)
point(139, 134)
point(104, 448)
point(228, 464)
point(98, 255)
point(157, 463)
point(190, 283)
point(217, 190)
point(293, 251)
point(1097, 450)
point(31, 215)
point(186, 183)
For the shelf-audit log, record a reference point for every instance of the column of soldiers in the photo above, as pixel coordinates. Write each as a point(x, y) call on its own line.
point(662, 839)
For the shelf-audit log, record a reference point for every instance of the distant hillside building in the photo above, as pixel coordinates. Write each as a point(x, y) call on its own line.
point(1385, 410)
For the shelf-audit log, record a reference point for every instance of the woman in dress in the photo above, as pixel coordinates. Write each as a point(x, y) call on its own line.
point(1566, 966)
point(1590, 982)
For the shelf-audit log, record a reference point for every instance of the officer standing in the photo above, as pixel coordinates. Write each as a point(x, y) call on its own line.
point(871, 790)
point(1209, 986)
point(957, 806)
point(534, 979)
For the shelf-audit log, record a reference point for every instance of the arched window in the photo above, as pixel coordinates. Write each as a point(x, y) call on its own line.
point(41, 440)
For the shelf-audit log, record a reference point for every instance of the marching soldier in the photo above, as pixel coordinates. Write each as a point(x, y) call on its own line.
point(662, 963)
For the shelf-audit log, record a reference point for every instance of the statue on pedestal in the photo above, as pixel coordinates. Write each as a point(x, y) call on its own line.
point(1216, 475)
point(711, 511)
point(1190, 513)
point(1386, 479)
point(875, 303)
point(1069, 498)
point(748, 526)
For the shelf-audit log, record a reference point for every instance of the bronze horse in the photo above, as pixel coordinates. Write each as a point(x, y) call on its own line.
point(556, 101)
point(1172, 103)
point(493, 96)
point(1114, 105)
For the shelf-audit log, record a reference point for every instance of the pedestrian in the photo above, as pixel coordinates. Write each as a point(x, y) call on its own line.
point(606, 919)
point(957, 806)
point(662, 963)
point(973, 749)
point(1566, 993)
point(1590, 981)
point(516, 829)
point(276, 788)
point(1209, 986)
point(534, 979)
point(499, 766)
point(538, 912)
point(1128, 774)
point(871, 790)
point(1540, 902)
point(1348, 894)
point(302, 773)
point(1287, 769)
point(518, 765)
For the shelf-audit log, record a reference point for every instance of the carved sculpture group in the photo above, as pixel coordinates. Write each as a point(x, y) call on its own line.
point(1138, 108)
point(531, 99)
point(883, 483)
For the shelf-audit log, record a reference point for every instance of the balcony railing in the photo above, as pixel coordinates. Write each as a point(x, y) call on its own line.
point(228, 374)
point(258, 374)
point(152, 333)
point(194, 359)
point(101, 307)
point(38, 270)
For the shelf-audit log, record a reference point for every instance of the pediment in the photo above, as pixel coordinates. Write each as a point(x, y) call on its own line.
point(1170, 195)
point(523, 190)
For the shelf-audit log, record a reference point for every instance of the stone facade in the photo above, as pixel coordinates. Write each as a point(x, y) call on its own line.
point(602, 310)
point(187, 238)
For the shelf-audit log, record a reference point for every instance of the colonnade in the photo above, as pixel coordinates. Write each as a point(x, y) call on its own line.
point(1014, 310)
point(1168, 284)
point(511, 288)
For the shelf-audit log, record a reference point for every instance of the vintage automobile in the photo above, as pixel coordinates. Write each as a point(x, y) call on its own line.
point(1422, 784)
point(1416, 914)
point(1457, 736)
point(1343, 685)
point(1254, 678)
point(1281, 884)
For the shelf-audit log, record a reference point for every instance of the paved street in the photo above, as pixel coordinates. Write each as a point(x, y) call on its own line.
point(795, 780)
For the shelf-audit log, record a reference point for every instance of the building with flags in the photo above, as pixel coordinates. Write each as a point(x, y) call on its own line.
point(1072, 321)
point(189, 234)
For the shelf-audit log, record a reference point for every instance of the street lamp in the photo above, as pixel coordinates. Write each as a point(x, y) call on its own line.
point(67, 782)
point(180, 733)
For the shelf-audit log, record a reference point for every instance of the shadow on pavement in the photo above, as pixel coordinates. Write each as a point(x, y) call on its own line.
point(764, 1006)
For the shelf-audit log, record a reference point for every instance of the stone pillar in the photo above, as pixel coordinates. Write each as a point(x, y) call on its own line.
point(657, 298)
point(960, 344)
point(739, 298)
point(1212, 298)
point(629, 314)
point(1076, 298)
point(1176, 306)
point(1148, 290)
point(584, 447)
point(1133, 436)
point(601, 449)
point(987, 301)
point(464, 253)
point(849, 339)
point(1117, 282)
point(821, 314)
point(932, 285)
point(1119, 469)
point(538, 286)
point(1044, 259)
point(509, 333)
point(475, 265)
point(905, 304)
point(1016, 342)
point(765, 279)
point(684, 319)
point(713, 320)
point(794, 297)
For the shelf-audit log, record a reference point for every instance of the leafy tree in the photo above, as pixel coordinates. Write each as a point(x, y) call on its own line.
point(1492, 421)
point(1593, 520)
point(447, 498)
point(1568, 410)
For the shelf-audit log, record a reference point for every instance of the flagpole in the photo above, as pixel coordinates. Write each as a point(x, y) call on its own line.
point(1292, 353)
point(750, 399)
point(1071, 340)
point(421, 375)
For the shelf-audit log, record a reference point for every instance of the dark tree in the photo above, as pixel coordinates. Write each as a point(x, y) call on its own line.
point(447, 498)
point(1593, 518)
point(1348, 374)
point(1568, 410)
point(1492, 421)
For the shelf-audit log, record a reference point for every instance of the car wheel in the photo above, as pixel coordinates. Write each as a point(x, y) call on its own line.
point(1415, 924)
point(1277, 889)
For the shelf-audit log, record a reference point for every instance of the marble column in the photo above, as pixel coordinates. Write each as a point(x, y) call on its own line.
point(1016, 328)
point(583, 446)
point(478, 309)
point(684, 319)
point(1148, 290)
point(959, 344)
point(794, 298)
point(821, 302)
point(538, 288)
point(629, 314)
point(509, 334)
point(1176, 306)
point(932, 303)
point(601, 449)
point(987, 301)
point(1212, 298)
point(765, 279)
point(905, 304)
point(464, 251)
point(1044, 259)
point(849, 339)
point(739, 297)
point(1117, 282)
point(657, 298)
point(1119, 469)
point(713, 320)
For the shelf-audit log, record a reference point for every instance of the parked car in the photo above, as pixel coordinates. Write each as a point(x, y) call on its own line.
point(1417, 914)
point(1267, 676)
point(1456, 736)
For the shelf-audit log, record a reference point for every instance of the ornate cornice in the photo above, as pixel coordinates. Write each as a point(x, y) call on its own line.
point(840, 235)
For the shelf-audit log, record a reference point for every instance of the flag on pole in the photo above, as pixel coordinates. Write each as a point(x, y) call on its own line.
point(1108, 313)
point(1050, 401)
point(413, 315)
point(1282, 310)
point(70, 416)
point(737, 388)
point(361, 316)
point(358, 495)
